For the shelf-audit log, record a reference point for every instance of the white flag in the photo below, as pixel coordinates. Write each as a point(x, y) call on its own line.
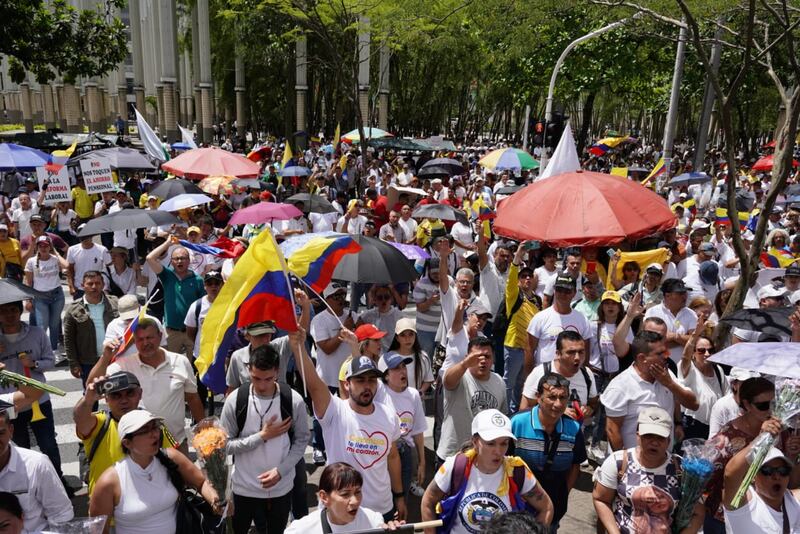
point(565, 158)
point(187, 136)
point(152, 145)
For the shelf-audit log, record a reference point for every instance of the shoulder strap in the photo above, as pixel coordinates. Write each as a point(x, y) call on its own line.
point(459, 474)
point(287, 408)
point(242, 395)
point(100, 435)
point(546, 366)
point(198, 306)
point(622, 465)
point(551, 452)
point(517, 305)
point(718, 374)
point(323, 519)
point(588, 382)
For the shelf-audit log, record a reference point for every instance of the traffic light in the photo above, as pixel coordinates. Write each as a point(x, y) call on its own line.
point(554, 129)
point(537, 128)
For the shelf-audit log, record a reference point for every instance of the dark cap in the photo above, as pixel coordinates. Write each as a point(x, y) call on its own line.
point(674, 285)
point(565, 281)
point(129, 381)
point(261, 328)
point(212, 275)
point(36, 218)
point(707, 247)
point(362, 366)
point(792, 270)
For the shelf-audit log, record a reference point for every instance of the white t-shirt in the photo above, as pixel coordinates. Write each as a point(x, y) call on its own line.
point(480, 502)
point(126, 281)
point(63, 219)
point(325, 326)
point(363, 441)
point(577, 382)
point(706, 388)
point(682, 323)
point(45, 273)
point(628, 394)
point(462, 233)
point(408, 406)
point(603, 356)
point(723, 412)
point(547, 324)
point(757, 517)
point(493, 287)
point(22, 218)
point(409, 227)
point(195, 320)
point(384, 322)
point(355, 226)
point(365, 519)
point(544, 278)
point(94, 258)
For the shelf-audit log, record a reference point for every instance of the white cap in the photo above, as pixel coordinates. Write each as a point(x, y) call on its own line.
point(700, 224)
point(333, 288)
point(134, 420)
point(406, 323)
point(770, 291)
point(774, 453)
point(128, 307)
point(436, 181)
point(747, 235)
point(654, 420)
point(741, 374)
point(794, 298)
point(492, 424)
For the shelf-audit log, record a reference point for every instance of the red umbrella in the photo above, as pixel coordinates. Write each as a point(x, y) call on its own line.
point(201, 162)
point(583, 209)
point(264, 212)
point(765, 163)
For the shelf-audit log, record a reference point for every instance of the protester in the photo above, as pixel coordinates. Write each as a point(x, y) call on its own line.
point(42, 273)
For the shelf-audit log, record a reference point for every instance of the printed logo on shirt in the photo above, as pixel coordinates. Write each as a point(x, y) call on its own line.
point(406, 422)
point(369, 448)
point(483, 400)
point(477, 509)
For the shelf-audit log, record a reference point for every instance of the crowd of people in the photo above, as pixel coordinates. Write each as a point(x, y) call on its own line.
point(531, 364)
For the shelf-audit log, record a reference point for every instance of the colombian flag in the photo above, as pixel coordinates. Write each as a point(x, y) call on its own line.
point(723, 218)
point(258, 290)
point(777, 258)
point(127, 336)
point(657, 171)
point(313, 257)
point(604, 145)
point(482, 211)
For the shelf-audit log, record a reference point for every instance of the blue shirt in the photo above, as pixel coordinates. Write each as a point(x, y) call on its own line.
point(96, 313)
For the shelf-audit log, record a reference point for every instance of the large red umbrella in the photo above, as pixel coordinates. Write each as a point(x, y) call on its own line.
point(201, 162)
point(264, 212)
point(582, 209)
point(765, 163)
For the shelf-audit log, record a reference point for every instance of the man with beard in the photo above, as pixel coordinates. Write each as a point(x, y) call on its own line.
point(358, 431)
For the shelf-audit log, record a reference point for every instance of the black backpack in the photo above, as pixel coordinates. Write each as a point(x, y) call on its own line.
point(287, 409)
point(549, 365)
point(501, 321)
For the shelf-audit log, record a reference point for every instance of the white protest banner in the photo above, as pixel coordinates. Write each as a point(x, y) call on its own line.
point(97, 175)
point(56, 185)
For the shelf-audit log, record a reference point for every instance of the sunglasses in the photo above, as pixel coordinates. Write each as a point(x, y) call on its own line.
point(705, 350)
point(383, 297)
point(557, 381)
point(783, 470)
point(337, 297)
point(762, 406)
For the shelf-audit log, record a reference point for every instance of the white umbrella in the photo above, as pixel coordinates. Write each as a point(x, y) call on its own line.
point(184, 201)
point(776, 359)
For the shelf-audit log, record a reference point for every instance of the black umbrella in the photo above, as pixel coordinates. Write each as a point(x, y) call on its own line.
point(312, 203)
point(637, 168)
point(745, 200)
point(13, 291)
point(127, 219)
point(440, 211)
point(174, 187)
point(509, 189)
point(251, 183)
point(452, 166)
point(378, 262)
point(770, 321)
point(435, 170)
point(123, 159)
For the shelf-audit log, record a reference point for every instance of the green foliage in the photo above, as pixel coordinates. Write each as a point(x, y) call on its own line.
point(46, 38)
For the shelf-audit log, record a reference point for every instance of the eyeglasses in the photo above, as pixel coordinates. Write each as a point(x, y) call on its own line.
point(705, 350)
point(783, 470)
point(180, 258)
point(762, 406)
point(337, 297)
point(381, 298)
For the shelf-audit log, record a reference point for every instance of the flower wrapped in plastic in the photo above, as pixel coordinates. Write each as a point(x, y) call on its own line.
point(787, 411)
point(210, 442)
point(697, 466)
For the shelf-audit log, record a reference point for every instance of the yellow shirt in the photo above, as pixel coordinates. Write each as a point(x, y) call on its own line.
point(110, 450)
point(9, 253)
point(424, 230)
point(83, 202)
point(517, 333)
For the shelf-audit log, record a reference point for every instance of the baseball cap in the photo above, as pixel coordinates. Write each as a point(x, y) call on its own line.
point(794, 297)
point(193, 229)
point(792, 270)
point(770, 291)
point(565, 281)
point(492, 424)
point(478, 308)
point(700, 224)
point(393, 361)
point(775, 453)
point(674, 285)
point(128, 307)
point(654, 420)
point(36, 218)
point(777, 209)
point(368, 331)
point(362, 366)
point(212, 275)
point(43, 239)
point(404, 324)
point(260, 328)
point(748, 235)
point(741, 374)
point(134, 420)
point(655, 268)
point(706, 247)
point(436, 181)
point(8, 408)
point(611, 295)
point(709, 272)
point(333, 288)
point(132, 381)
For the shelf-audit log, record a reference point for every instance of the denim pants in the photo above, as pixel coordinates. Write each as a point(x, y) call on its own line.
point(427, 342)
point(44, 430)
point(48, 310)
point(512, 376)
point(406, 463)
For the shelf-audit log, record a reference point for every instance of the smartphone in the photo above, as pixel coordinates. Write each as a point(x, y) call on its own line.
point(591, 267)
point(611, 252)
point(533, 245)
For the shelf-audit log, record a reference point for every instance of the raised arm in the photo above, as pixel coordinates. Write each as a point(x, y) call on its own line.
point(153, 259)
point(635, 309)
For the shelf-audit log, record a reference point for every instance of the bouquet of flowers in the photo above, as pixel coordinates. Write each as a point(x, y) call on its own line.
point(787, 411)
point(210, 441)
point(697, 466)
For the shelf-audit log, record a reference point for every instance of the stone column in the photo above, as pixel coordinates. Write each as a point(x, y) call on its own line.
point(168, 75)
point(137, 53)
point(204, 71)
point(187, 93)
point(383, 110)
point(241, 109)
point(72, 108)
point(58, 98)
point(363, 71)
point(301, 87)
point(207, 105)
point(162, 126)
point(27, 106)
point(49, 110)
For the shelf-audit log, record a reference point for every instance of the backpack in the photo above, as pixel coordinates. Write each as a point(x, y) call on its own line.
point(242, 397)
point(548, 366)
point(458, 485)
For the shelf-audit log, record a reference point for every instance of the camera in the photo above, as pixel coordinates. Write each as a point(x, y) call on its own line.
point(115, 383)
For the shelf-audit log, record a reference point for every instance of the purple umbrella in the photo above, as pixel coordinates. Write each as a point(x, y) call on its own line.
point(265, 212)
point(412, 252)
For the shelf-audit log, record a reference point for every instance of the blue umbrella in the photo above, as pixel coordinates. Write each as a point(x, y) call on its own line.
point(295, 171)
point(21, 157)
point(328, 149)
point(689, 178)
point(180, 146)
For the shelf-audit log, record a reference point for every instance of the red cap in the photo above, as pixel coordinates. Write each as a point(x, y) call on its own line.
point(368, 331)
point(265, 195)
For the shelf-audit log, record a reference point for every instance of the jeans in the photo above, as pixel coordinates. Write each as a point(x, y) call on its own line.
point(48, 313)
point(512, 376)
point(406, 464)
point(357, 291)
point(298, 493)
point(269, 515)
point(427, 342)
point(44, 430)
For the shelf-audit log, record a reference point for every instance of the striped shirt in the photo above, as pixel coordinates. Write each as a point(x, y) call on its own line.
point(427, 321)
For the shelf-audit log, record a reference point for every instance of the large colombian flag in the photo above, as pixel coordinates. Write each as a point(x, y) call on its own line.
point(258, 290)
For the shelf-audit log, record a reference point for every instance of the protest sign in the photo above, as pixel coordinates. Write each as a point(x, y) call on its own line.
point(54, 184)
point(97, 175)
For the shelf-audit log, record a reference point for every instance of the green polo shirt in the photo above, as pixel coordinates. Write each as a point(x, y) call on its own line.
point(178, 296)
